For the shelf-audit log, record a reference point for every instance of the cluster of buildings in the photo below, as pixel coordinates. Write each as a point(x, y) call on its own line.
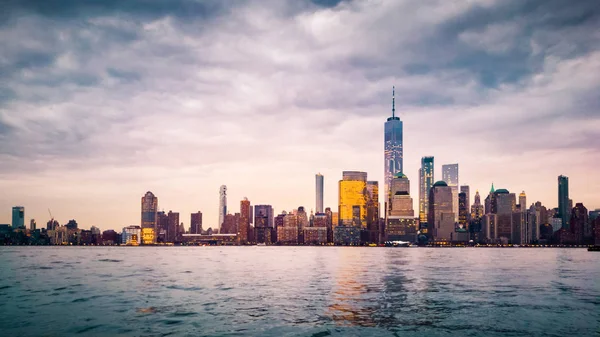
point(446, 215)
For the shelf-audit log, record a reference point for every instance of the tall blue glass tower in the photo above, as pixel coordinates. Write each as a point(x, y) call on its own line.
point(393, 150)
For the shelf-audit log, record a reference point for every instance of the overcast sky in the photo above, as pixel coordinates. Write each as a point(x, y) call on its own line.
point(101, 101)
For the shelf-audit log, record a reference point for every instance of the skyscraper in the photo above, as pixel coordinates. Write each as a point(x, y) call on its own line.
point(263, 223)
point(196, 223)
point(425, 183)
point(467, 191)
point(393, 148)
point(353, 196)
point(463, 210)
point(18, 217)
point(477, 208)
point(148, 223)
point(450, 177)
point(245, 215)
point(32, 225)
point(400, 218)
point(440, 221)
point(563, 200)
point(173, 226)
point(523, 202)
point(319, 192)
point(222, 205)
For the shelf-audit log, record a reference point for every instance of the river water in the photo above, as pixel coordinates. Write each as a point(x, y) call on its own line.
point(298, 291)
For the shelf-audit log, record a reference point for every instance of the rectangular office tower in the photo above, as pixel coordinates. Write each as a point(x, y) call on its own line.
point(450, 177)
point(353, 197)
point(563, 201)
point(319, 192)
point(18, 217)
point(425, 183)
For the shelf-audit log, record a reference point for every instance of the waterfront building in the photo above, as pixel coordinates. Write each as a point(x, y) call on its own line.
point(393, 148)
point(346, 235)
point(18, 217)
point(288, 234)
point(579, 223)
point(440, 220)
point(426, 180)
point(372, 221)
point(196, 223)
point(563, 200)
point(131, 235)
point(222, 206)
point(110, 237)
point(277, 223)
point(506, 205)
point(244, 225)
point(353, 198)
point(450, 177)
point(315, 235)
point(32, 225)
point(173, 226)
point(400, 223)
point(319, 192)
point(263, 223)
point(230, 224)
point(149, 206)
point(162, 226)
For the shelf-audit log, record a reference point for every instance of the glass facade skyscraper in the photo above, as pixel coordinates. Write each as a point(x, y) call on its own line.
point(18, 217)
point(563, 200)
point(450, 177)
point(353, 196)
point(393, 148)
point(425, 183)
point(319, 192)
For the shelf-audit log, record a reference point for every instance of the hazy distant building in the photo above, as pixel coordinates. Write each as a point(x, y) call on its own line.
point(230, 224)
point(353, 197)
point(523, 202)
point(148, 221)
point(563, 200)
point(426, 180)
point(477, 209)
point(441, 217)
point(32, 225)
point(466, 190)
point(245, 216)
point(506, 205)
point(18, 217)
point(196, 223)
point(263, 223)
point(222, 205)
point(319, 192)
point(393, 148)
point(173, 226)
point(450, 177)
point(315, 235)
point(489, 227)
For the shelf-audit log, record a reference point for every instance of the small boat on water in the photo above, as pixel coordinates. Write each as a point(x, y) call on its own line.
point(594, 249)
point(397, 244)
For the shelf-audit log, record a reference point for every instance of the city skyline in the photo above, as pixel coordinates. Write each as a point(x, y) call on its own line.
point(86, 129)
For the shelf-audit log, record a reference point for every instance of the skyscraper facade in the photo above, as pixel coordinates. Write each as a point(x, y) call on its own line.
point(440, 221)
point(467, 191)
point(222, 204)
point(18, 217)
point(196, 223)
point(353, 197)
point(425, 183)
point(393, 148)
point(173, 226)
point(450, 177)
point(563, 200)
point(245, 215)
point(400, 218)
point(148, 222)
point(319, 192)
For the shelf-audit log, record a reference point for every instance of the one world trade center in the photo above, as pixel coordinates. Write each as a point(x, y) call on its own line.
point(393, 147)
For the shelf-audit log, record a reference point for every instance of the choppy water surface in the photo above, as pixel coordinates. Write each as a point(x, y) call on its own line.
point(298, 291)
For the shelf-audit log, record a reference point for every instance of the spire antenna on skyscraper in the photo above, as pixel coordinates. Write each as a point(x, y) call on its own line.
point(393, 101)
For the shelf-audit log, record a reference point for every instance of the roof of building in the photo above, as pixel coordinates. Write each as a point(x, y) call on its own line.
point(400, 175)
point(440, 183)
point(502, 191)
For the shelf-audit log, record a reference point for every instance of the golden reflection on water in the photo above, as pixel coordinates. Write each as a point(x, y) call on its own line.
point(349, 304)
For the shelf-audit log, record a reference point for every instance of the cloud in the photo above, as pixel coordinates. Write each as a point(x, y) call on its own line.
point(181, 98)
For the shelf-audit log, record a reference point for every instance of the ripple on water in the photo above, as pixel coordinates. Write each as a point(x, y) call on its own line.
point(85, 299)
point(87, 328)
point(110, 260)
point(178, 287)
